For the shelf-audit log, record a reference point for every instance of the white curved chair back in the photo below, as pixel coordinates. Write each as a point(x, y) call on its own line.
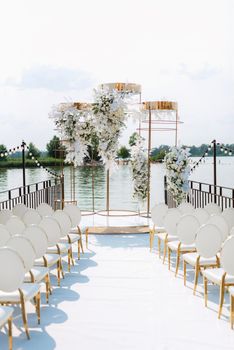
point(213, 208)
point(158, 213)
point(19, 210)
point(221, 223)
point(202, 215)
point(4, 235)
point(15, 225)
point(52, 230)
point(5, 215)
point(45, 209)
point(12, 269)
point(31, 217)
point(74, 213)
point(186, 208)
point(208, 240)
point(228, 215)
point(25, 249)
point(187, 228)
point(171, 219)
point(64, 221)
point(227, 256)
point(38, 238)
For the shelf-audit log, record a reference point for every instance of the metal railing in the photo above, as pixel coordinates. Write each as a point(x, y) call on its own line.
point(200, 194)
point(50, 191)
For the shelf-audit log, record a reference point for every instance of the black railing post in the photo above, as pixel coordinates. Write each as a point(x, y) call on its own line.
point(165, 190)
point(215, 168)
point(62, 189)
point(23, 167)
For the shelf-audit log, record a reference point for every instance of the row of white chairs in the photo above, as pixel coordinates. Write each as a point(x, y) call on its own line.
point(205, 240)
point(31, 242)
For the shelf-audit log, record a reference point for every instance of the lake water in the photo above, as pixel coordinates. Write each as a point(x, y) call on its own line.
point(121, 187)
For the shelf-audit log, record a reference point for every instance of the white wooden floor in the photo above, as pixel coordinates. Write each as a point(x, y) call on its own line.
point(121, 297)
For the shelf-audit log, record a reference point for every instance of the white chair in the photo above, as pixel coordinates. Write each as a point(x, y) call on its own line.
point(45, 209)
point(186, 208)
point(12, 289)
point(6, 317)
point(52, 230)
point(231, 291)
point(170, 221)
point(31, 216)
point(39, 241)
point(228, 215)
point(208, 243)
point(158, 213)
point(75, 215)
point(15, 225)
point(213, 208)
point(221, 223)
point(4, 235)
point(5, 215)
point(186, 230)
point(202, 215)
point(19, 210)
point(223, 276)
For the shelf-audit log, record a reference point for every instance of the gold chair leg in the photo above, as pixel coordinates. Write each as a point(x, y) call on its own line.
point(151, 240)
point(10, 333)
point(159, 248)
point(81, 243)
point(185, 272)
point(24, 315)
point(69, 260)
point(205, 290)
point(177, 262)
point(221, 299)
point(72, 259)
point(169, 258)
point(47, 283)
point(86, 237)
point(197, 270)
point(231, 311)
point(58, 272)
point(38, 307)
point(165, 251)
point(61, 267)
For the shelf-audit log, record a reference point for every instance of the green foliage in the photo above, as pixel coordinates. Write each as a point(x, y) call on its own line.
point(3, 149)
point(34, 150)
point(55, 149)
point(132, 139)
point(123, 152)
point(93, 149)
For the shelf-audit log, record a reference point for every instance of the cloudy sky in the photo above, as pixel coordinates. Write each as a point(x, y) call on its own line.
point(59, 50)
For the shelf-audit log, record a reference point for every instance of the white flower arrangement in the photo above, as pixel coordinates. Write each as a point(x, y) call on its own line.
point(109, 114)
point(177, 171)
point(139, 170)
point(75, 128)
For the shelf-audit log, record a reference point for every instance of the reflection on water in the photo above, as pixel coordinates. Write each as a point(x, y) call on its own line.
point(121, 186)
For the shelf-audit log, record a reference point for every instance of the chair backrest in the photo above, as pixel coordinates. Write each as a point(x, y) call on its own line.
point(213, 208)
point(227, 256)
point(228, 215)
point(12, 269)
point(45, 209)
point(15, 225)
point(187, 228)
point(171, 219)
point(25, 249)
point(221, 223)
point(74, 213)
point(208, 240)
point(31, 216)
point(19, 210)
point(64, 221)
point(4, 235)
point(186, 208)
point(202, 215)
point(158, 213)
point(52, 229)
point(5, 215)
point(38, 238)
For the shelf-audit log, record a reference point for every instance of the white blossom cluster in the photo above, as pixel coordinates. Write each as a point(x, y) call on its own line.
point(75, 128)
point(109, 115)
point(177, 170)
point(139, 170)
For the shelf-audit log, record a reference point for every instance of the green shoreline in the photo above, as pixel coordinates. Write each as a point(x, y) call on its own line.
point(17, 163)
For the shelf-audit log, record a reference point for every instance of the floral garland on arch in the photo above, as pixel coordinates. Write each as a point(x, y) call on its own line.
point(75, 128)
point(109, 114)
point(177, 171)
point(139, 170)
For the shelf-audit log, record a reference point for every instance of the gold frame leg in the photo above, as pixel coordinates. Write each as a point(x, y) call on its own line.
point(24, 315)
point(69, 259)
point(177, 262)
point(38, 307)
point(58, 273)
point(81, 243)
point(169, 257)
point(48, 289)
point(72, 259)
point(61, 267)
point(86, 237)
point(221, 298)
point(205, 290)
point(151, 240)
point(165, 250)
point(159, 248)
point(231, 311)
point(197, 270)
point(185, 271)
point(10, 333)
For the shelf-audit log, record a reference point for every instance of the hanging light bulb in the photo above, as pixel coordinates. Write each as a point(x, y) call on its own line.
point(225, 151)
point(230, 153)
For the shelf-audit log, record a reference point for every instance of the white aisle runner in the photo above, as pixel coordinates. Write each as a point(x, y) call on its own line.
point(121, 297)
